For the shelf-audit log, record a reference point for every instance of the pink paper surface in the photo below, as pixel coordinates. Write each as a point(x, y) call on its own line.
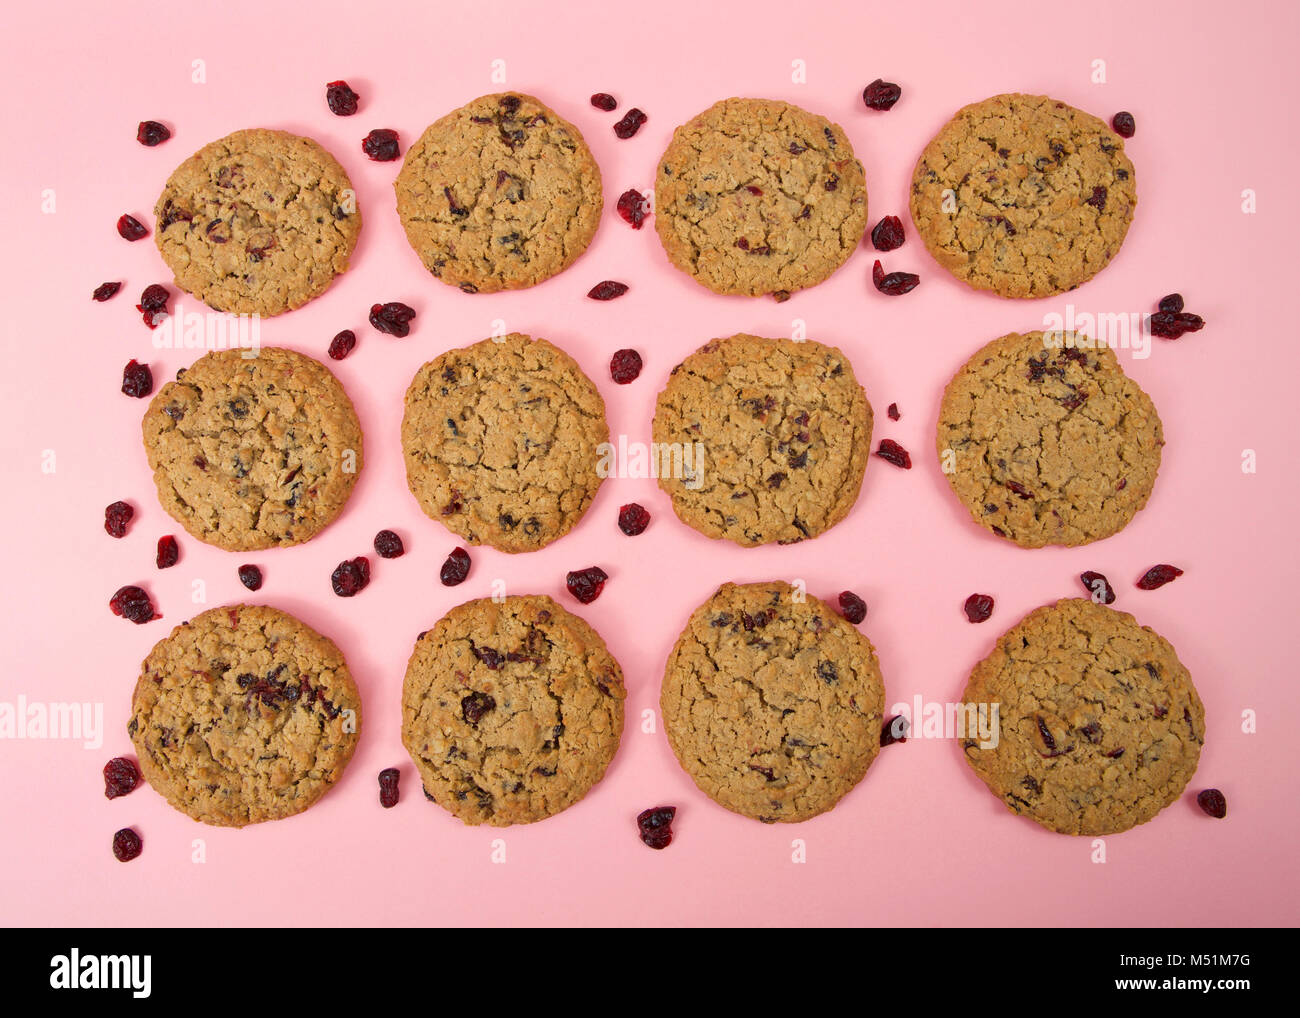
point(920, 841)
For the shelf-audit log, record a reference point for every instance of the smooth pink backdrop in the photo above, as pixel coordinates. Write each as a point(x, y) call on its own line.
point(920, 841)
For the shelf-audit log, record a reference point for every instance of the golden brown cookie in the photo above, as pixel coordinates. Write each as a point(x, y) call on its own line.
point(244, 714)
point(1099, 727)
point(756, 196)
point(1046, 441)
point(511, 710)
point(253, 452)
point(259, 222)
point(501, 194)
point(1023, 195)
point(772, 704)
point(762, 440)
point(502, 442)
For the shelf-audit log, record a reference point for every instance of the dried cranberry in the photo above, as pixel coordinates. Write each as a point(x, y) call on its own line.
point(351, 576)
point(586, 584)
point(121, 775)
point(250, 577)
point(132, 603)
point(896, 283)
point(1172, 303)
point(342, 344)
point(891, 452)
point(630, 124)
point(1098, 587)
point(151, 133)
point(893, 412)
point(625, 366)
point(137, 380)
point(340, 98)
point(116, 517)
point(474, 706)
point(169, 552)
point(154, 318)
point(607, 290)
point(887, 234)
point(1097, 199)
point(131, 228)
point(604, 101)
point(1158, 576)
point(388, 792)
point(1212, 801)
point(456, 568)
point(881, 95)
point(1173, 325)
point(126, 845)
point(633, 518)
point(852, 607)
point(105, 290)
point(388, 545)
point(381, 145)
point(393, 318)
point(154, 298)
point(978, 607)
point(1124, 124)
point(633, 207)
point(894, 730)
point(655, 826)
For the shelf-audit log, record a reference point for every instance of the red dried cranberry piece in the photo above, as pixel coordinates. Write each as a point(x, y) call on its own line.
point(1172, 302)
point(896, 283)
point(891, 452)
point(151, 133)
point(604, 101)
point(887, 235)
point(607, 290)
point(340, 98)
point(1158, 576)
point(116, 517)
point(131, 228)
point(474, 706)
point(1098, 587)
point(1124, 124)
point(625, 366)
point(978, 607)
point(1171, 325)
point(169, 552)
point(893, 412)
point(105, 290)
point(586, 584)
point(630, 124)
point(633, 518)
point(894, 730)
point(121, 775)
point(1213, 803)
point(137, 380)
point(388, 791)
point(126, 845)
point(393, 318)
point(881, 95)
point(852, 607)
point(389, 545)
point(456, 568)
point(132, 603)
point(381, 145)
point(655, 826)
point(154, 298)
point(342, 344)
point(633, 207)
point(250, 577)
point(350, 577)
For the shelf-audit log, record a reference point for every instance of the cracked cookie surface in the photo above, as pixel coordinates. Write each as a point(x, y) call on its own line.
point(244, 714)
point(756, 196)
point(256, 452)
point(511, 711)
point(1099, 724)
point(1043, 195)
point(784, 433)
point(1050, 444)
point(773, 707)
point(258, 222)
point(501, 441)
point(499, 195)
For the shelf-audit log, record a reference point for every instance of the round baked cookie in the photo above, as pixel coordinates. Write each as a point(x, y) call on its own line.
point(756, 196)
point(499, 195)
point(1023, 195)
point(259, 222)
point(511, 710)
point(502, 442)
point(773, 705)
point(1048, 442)
point(253, 452)
point(1099, 727)
point(244, 714)
point(772, 436)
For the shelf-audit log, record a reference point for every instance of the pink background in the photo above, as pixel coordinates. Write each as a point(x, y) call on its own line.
point(920, 841)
